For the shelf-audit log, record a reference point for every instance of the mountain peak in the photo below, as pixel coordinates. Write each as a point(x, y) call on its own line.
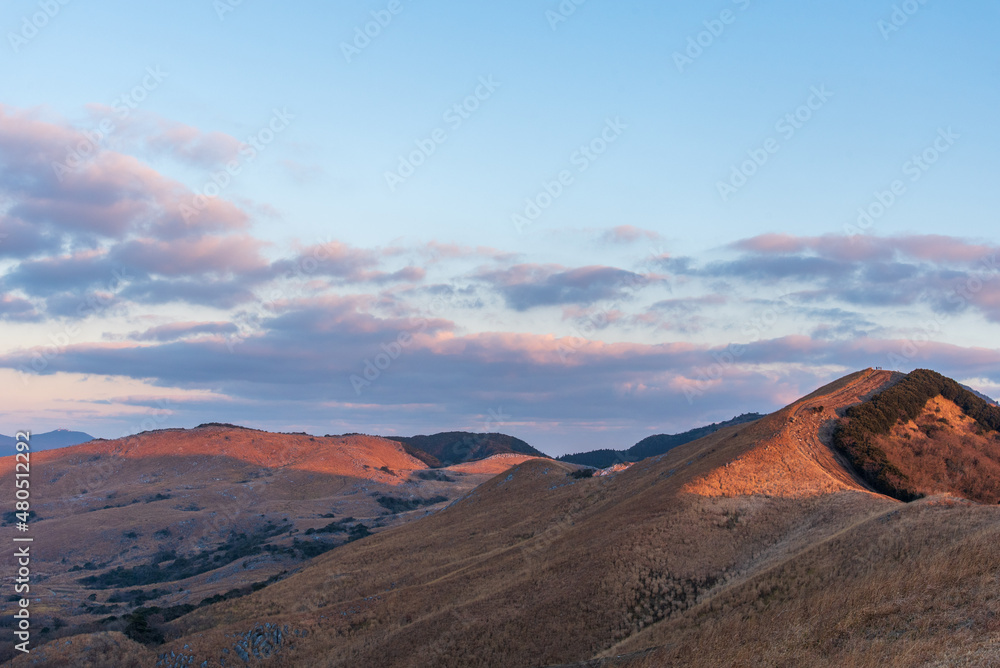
point(788, 453)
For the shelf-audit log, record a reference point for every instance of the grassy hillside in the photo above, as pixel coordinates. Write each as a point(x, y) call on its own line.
point(537, 566)
point(651, 446)
point(149, 527)
point(853, 598)
point(755, 545)
point(960, 458)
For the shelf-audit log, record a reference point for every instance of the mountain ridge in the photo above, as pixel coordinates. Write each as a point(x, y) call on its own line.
point(762, 532)
point(57, 438)
point(651, 446)
point(455, 447)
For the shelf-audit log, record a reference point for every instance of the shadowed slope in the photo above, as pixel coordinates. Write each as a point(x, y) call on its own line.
point(757, 534)
point(174, 517)
point(535, 566)
point(884, 454)
point(455, 447)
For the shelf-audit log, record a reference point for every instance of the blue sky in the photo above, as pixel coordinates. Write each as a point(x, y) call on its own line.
point(639, 259)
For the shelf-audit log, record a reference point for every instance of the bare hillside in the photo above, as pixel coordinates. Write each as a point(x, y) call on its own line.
point(173, 518)
point(756, 545)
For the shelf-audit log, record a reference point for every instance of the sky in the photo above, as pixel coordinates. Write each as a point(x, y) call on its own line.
point(576, 222)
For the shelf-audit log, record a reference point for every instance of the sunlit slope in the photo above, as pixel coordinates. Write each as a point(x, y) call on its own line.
point(342, 455)
point(241, 506)
point(536, 566)
point(756, 545)
point(797, 460)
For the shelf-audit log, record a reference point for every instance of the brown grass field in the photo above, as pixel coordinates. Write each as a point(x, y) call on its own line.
point(754, 546)
point(119, 503)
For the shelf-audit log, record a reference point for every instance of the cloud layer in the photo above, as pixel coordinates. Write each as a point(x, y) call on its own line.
point(434, 336)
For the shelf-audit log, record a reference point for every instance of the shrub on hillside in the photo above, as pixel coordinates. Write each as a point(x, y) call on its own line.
point(396, 505)
point(857, 434)
point(167, 566)
point(139, 628)
point(437, 476)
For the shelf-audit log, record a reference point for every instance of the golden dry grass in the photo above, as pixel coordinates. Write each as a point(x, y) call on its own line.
point(94, 650)
point(792, 563)
point(109, 502)
point(914, 586)
point(535, 567)
point(491, 465)
point(796, 460)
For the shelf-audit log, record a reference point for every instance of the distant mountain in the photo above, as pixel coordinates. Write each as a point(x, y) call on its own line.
point(989, 400)
point(651, 446)
point(455, 447)
point(234, 508)
point(60, 438)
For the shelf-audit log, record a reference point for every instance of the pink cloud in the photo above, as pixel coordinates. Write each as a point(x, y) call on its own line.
point(437, 251)
point(146, 131)
point(627, 234)
point(860, 248)
point(772, 243)
point(939, 248)
point(235, 254)
point(194, 146)
point(70, 184)
point(178, 330)
point(351, 264)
